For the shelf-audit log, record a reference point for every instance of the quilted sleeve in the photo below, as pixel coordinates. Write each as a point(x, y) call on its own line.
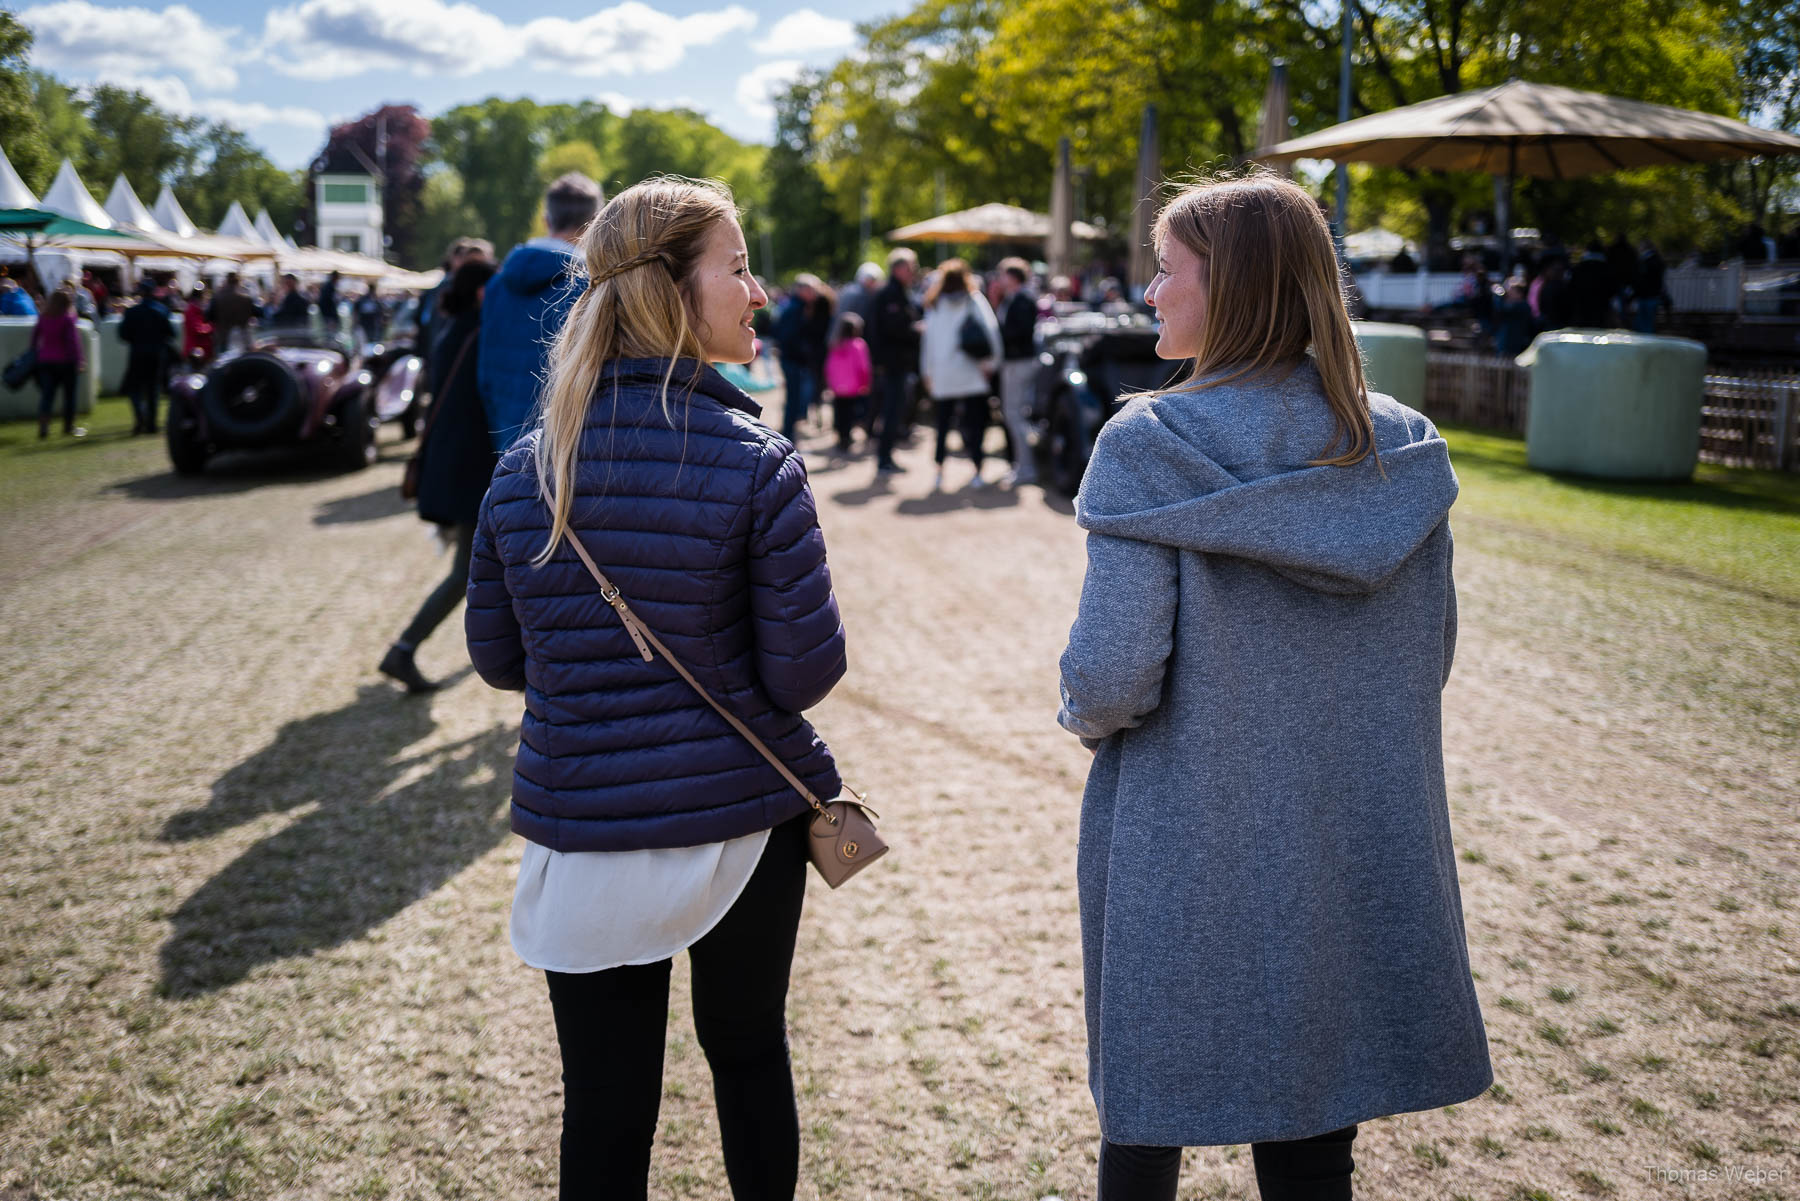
point(495, 645)
point(799, 637)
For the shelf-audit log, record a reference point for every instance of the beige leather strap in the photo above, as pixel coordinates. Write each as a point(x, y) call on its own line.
point(646, 639)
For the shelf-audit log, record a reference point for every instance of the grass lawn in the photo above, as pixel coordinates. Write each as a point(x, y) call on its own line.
point(1740, 527)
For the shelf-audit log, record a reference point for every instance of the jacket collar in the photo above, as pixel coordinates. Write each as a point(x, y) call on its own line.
point(709, 382)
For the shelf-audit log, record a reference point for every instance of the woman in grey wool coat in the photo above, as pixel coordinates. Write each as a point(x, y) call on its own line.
point(1271, 929)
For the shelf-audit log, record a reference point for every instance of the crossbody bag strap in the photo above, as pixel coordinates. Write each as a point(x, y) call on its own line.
point(437, 402)
point(647, 640)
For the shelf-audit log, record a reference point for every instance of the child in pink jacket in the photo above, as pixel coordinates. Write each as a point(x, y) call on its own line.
point(849, 374)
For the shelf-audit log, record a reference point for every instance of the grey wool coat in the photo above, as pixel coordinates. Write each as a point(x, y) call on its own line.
point(1271, 928)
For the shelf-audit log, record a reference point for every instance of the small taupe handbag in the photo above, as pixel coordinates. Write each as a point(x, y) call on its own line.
point(842, 838)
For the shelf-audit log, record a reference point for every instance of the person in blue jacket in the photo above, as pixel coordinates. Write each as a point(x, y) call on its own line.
point(651, 825)
point(526, 305)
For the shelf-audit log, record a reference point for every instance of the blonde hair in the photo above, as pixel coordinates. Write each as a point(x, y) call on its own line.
point(640, 252)
point(1273, 290)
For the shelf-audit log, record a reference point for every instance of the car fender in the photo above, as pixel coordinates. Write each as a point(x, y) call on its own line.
point(185, 388)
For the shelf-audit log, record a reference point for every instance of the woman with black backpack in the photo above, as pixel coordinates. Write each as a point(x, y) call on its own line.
point(455, 460)
point(957, 357)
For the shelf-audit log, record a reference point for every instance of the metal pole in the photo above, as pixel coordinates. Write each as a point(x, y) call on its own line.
point(768, 249)
point(1343, 172)
point(863, 225)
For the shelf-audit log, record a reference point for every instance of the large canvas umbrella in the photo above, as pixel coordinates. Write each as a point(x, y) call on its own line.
point(1535, 129)
point(986, 223)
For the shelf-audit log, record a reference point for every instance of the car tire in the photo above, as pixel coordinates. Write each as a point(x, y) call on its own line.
point(355, 434)
point(188, 451)
point(1067, 445)
point(252, 400)
point(409, 420)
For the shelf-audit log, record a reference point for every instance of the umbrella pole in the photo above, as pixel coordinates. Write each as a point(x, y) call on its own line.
point(1503, 190)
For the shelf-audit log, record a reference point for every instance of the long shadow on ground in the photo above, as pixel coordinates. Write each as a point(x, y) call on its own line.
point(383, 502)
point(373, 845)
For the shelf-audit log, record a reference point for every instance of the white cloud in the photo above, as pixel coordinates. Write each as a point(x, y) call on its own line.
point(332, 39)
point(756, 88)
point(806, 30)
point(627, 39)
point(73, 35)
point(172, 93)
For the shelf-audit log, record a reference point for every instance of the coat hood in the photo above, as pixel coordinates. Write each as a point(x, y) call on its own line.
point(1185, 469)
point(529, 270)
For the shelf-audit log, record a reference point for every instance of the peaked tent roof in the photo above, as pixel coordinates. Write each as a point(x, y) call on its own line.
point(124, 207)
point(237, 225)
point(170, 215)
point(13, 192)
point(70, 197)
point(265, 229)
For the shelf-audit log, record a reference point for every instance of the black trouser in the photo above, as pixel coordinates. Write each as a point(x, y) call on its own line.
point(846, 411)
point(52, 376)
point(145, 371)
point(894, 394)
point(446, 596)
point(610, 1026)
point(1305, 1169)
point(970, 414)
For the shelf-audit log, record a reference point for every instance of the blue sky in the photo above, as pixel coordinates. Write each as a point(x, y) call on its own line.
point(282, 71)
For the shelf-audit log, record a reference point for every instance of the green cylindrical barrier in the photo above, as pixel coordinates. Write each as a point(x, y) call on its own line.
point(1393, 360)
point(1614, 405)
point(22, 403)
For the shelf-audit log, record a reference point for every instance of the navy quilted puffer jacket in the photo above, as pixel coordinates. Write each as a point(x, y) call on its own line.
point(709, 530)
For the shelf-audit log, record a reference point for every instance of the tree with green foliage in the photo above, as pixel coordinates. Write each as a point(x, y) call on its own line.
point(494, 147)
point(21, 133)
point(806, 226)
point(908, 120)
point(131, 136)
point(444, 215)
point(227, 166)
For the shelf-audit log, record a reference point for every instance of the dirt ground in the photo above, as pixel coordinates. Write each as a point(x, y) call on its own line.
point(256, 899)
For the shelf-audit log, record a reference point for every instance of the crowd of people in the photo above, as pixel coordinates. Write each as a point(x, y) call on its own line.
point(1599, 286)
point(950, 336)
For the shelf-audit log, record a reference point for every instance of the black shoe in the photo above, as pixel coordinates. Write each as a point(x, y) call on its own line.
point(398, 664)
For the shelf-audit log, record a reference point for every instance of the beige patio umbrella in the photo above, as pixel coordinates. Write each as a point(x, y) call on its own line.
point(1534, 129)
point(986, 223)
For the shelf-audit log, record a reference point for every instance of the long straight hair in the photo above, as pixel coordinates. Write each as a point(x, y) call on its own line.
point(1273, 290)
point(639, 252)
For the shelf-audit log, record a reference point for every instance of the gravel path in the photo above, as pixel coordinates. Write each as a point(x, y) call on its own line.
point(256, 899)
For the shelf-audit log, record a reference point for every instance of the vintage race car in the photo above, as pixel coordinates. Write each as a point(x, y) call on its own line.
point(293, 389)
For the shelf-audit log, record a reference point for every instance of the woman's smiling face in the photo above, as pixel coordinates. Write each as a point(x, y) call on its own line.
point(1178, 294)
point(726, 296)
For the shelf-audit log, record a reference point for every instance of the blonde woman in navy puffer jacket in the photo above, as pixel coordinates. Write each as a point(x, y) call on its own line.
point(651, 826)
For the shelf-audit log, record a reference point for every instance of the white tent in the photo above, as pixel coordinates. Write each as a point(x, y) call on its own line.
point(69, 197)
point(124, 207)
point(237, 225)
point(13, 192)
point(171, 216)
point(265, 229)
